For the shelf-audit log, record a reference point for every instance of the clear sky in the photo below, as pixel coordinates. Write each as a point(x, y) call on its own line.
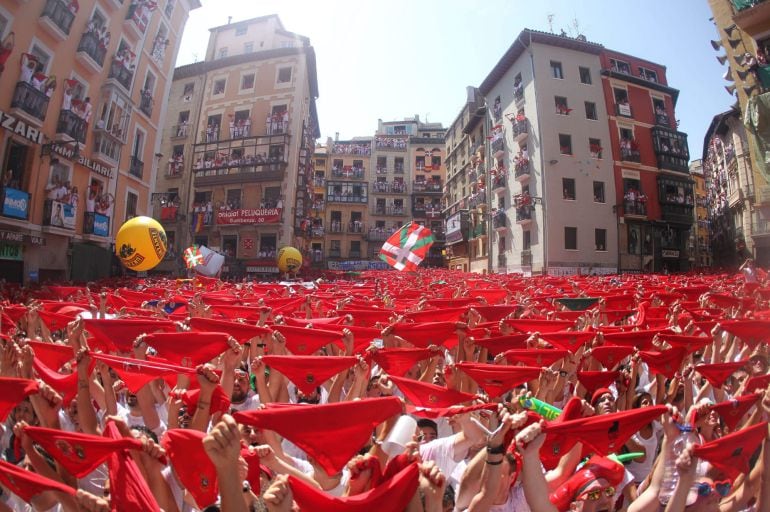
point(396, 58)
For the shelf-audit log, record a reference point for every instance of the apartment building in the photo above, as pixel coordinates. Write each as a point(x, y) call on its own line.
point(238, 147)
point(743, 46)
point(532, 163)
point(654, 192)
point(84, 85)
point(700, 234)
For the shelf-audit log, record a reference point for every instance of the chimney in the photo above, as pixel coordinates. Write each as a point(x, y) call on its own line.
point(229, 19)
point(336, 136)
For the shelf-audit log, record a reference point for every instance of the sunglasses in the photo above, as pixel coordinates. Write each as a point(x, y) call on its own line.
point(722, 488)
point(598, 493)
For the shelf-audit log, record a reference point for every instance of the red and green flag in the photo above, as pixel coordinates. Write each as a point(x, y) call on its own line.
point(407, 247)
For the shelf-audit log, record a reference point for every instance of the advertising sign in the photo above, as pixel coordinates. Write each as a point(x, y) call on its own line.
point(249, 216)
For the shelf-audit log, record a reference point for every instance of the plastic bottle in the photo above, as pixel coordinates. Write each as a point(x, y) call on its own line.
point(545, 410)
point(687, 435)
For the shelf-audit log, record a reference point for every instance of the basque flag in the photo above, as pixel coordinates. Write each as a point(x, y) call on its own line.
point(407, 247)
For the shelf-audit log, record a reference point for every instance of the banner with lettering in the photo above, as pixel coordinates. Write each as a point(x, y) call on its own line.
point(249, 216)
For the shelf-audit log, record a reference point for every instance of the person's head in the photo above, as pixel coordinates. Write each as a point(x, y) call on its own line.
point(24, 412)
point(312, 398)
point(757, 365)
point(734, 381)
point(593, 488)
point(427, 430)
point(706, 493)
point(241, 385)
point(603, 401)
point(642, 400)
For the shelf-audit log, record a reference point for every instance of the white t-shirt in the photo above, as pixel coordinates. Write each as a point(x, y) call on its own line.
point(442, 452)
point(249, 404)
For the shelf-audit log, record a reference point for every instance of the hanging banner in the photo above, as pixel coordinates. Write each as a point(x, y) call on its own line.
point(249, 216)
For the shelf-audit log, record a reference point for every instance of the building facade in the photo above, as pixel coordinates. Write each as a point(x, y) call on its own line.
point(83, 86)
point(238, 146)
point(700, 234)
point(654, 196)
point(743, 44)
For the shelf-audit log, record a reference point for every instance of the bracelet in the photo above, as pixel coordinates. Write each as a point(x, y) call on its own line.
point(494, 463)
point(496, 450)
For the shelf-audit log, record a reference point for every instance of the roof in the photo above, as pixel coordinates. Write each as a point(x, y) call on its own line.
point(248, 22)
point(525, 38)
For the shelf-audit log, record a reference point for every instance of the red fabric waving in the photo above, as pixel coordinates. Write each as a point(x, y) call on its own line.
point(302, 341)
point(667, 362)
point(79, 453)
point(136, 373)
point(535, 325)
point(398, 361)
point(250, 313)
point(14, 391)
point(393, 494)
point(188, 349)
point(426, 333)
point(499, 379)
point(717, 373)
point(757, 383)
point(534, 356)
point(330, 433)
point(65, 385)
point(128, 488)
point(731, 411)
point(53, 355)
point(751, 332)
point(593, 380)
point(119, 334)
point(55, 321)
point(220, 402)
point(491, 295)
point(689, 343)
point(606, 433)
point(610, 356)
point(242, 332)
point(639, 339)
point(446, 412)
point(195, 470)
point(568, 340)
point(731, 453)
point(496, 313)
point(26, 484)
point(309, 372)
point(369, 318)
point(437, 315)
point(424, 394)
point(499, 344)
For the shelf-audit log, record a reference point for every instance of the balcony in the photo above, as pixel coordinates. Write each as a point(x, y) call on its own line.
point(355, 227)
point(518, 93)
point(478, 230)
point(347, 198)
point(136, 167)
point(180, 131)
point(378, 234)
point(317, 232)
point(145, 104)
point(91, 53)
point(398, 169)
point(175, 169)
point(336, 227)
point(71, 127)
point(520, 130)
point(760, 227)
point(334, 253)
point(498, 182)
point(624, 110)
point(763, 198)
point(524, 215)
point(317, 206)
point(498, 147)
point(168, 214)
point(137, 19)
point(671, 149)
point(500, 221)
point(57, 19)
point(389, 211)
point(121, 74)
point(96, 224)
point(354, 254)
point(662, 119)
point(680, 213)
point(752, 16)
point(29, 103)
point(427, 187)
point(59, 215)
point(635, 208)
point(382, 187)
point(630, 154)
point(349, 172)
point(14, 203)
point(390, 144)
point(526, 258)
point(521, 169)
point(478, 200)
point(319, 182)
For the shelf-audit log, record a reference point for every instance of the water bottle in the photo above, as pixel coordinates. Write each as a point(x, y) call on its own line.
point(670, 474)
point(544, 409)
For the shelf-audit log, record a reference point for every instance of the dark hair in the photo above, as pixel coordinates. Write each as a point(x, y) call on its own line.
point(425, 422)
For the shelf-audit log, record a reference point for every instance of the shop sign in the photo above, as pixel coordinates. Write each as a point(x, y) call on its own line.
point(668, 253)
point(10, 251)
point(69, 154)
point(19, 127)
point(255, 269)
point(249, 216)
point(15, 203)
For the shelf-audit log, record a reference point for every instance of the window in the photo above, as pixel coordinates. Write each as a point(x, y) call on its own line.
point(222, 53)
point(188, 89)
point(600, 239)
point(247, 81)
point(595, 148)
point(527, 242)
point(565, 144)
point(556, 70)
point(599, 192)
point(248, 47)
point(5, 23)
point(561, 105)
point(241, 31)
point(219, 86)
point(620, 66)
point(585, 75)
point(233, 199)
point(648, 74)
point(284, 75)
point(570, 238)
point(591, 110)
point(131, 202)
point(621, 102)
point(568, 184)
point(42, 55)
point(184, 116)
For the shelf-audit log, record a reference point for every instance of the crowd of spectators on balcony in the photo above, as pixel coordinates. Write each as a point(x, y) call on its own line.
point(159, 46)
point(352, 149)
point(32, 73)
point(266, 251)
point(669, 146)
point(125, 57)
point(212, 132)
point(629, 147)
point(384, 186)
point(678, 197)
point(348, 171)
point(176, 164)
point(99, 202)
point(561, 108)
point(221, 160)
point(240, 128)
point(206, 208)
point(277, 123)
point(390, 143)
point(100, 32)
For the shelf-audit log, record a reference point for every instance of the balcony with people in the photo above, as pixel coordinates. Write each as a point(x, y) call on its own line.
point(349, 171)
point(342, 192)
point(390, 143)
point(524, 208)
point(499, 220)
point(122, 68)
point(478, 199)
point(71, 126)
point(520, 127)
point(676, 200)
point(389, 210)
point(499, 179)
point(352, 148)
point(136, 167)
point(384, 187)
point(33, 90)
point(518, 90)
point(751, 16)
point(92, 48)
point(230, 162)
point(521, 167)
point(629, 150)
point(146, 102)
point(427, 187)
point(671, 149)
point(175, 166)
point(57, 17)
point(379, 234)
point(138, 17)
point(356, 226)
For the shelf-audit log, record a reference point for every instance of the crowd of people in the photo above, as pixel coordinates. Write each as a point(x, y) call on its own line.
point(235, 159)
point(390, 143)
point(352, 149)
point(62, 191)
point(431, 391)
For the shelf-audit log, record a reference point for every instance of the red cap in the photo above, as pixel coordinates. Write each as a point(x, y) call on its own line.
point(596, 468)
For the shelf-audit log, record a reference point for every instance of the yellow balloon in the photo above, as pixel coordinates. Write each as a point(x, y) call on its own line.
point(141, 243)
point(289, 259)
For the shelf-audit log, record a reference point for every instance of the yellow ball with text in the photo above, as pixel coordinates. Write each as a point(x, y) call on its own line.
point(141, 243)
point(289, 259)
